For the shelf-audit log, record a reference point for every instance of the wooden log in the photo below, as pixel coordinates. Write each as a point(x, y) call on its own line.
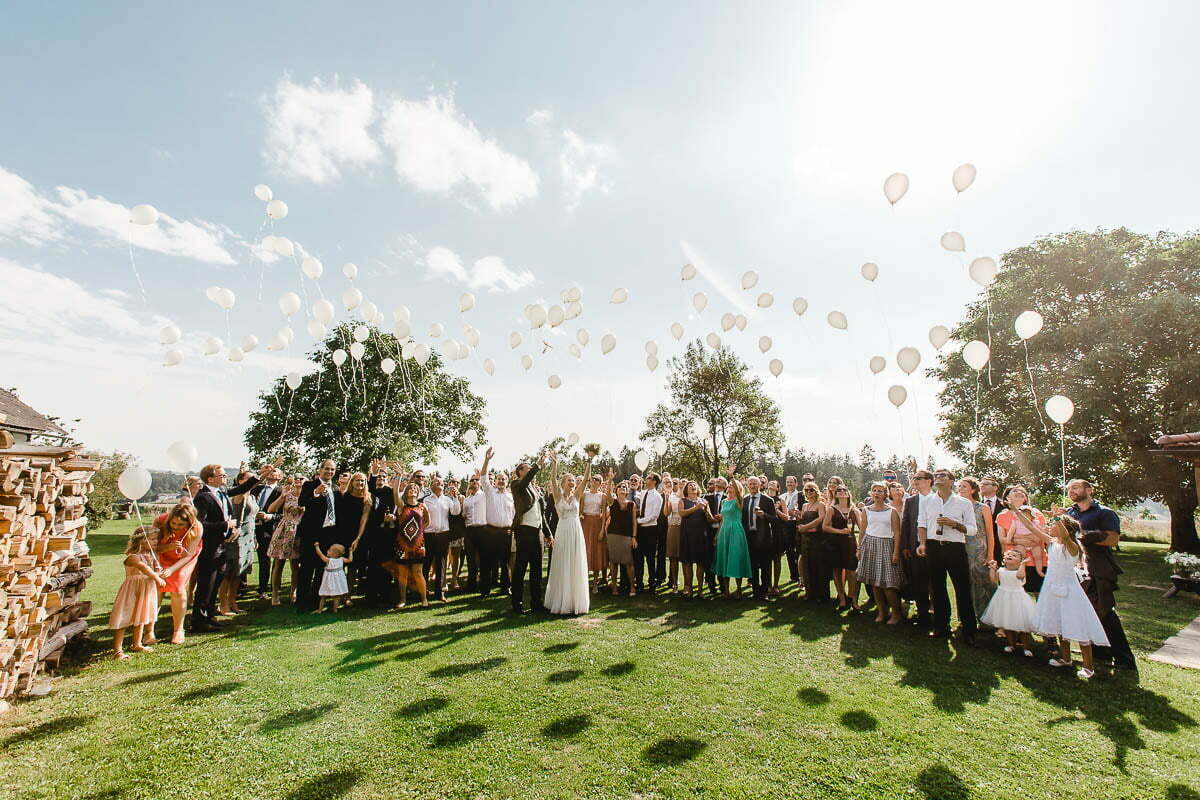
point(63, 635)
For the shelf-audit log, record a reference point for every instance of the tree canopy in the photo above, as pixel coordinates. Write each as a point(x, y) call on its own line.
point(356, 412)
point(1121, 339)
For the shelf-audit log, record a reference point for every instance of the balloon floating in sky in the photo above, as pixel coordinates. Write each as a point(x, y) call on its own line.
point(573, 295)
point(750, 280)
point(211, 293)
point(226, 298)
point(574, 309)
point(169, 334)
point(387, 366)
point(764, 344)
point(402, 313)
point(323, 310)
point(870, 270)
point(677, 331)
point(799, 305)
point(514, 340)
point(361, 332)
point(293, 380)
point(976, 354)
point(556, 316)
point(776, 367)
point(287, 334)
point(284, 246)
point(289, 303)
point(607, 343)
point(312, 267)
point(983, 270)
point(641, 459)
point(471, 334)
point(357, 350)
point(172, 358)
point(700, 301)
point(954, 241)
point(249, 342)
point(263, 192)
point(489, 366)
point(436, 330)
point(964, 176)
point(619, 296)
point(766, 300)
point(277, 209)
point(908, 359)
point(651, 348)
point(277, 343)
point(536, 314)
point(572, 439)
point(575, 350)
point(740, 322)
point(212, 346)
point(182, 456)
point(1060, 409)
point(713, 341)
point(728, 320)
point(1027, 324)
point(838, 320)
point(582, 337)
point(554, 381)
point(688, 272)
point(350, 270)
point(938, 336)
point(895, 187)
point(316, 329)
point(466, 302)
point(897, 394)
point(877, 364)
point(339, 356)
point(421, 353)
point(134, 482)
point(651, 363)
point(143, 214)
point(236, 354)
point(351, 298)
point(527, 361)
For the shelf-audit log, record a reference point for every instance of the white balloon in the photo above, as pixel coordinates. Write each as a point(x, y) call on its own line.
point(607, 343)
point(776, 367)
point(652, 363)
point(555, 316)
point(351, 298)
point(436, 330)
point(582, 337)
point(471, 334)
point(895, 186)
point(387, 366)
point(289, 303)
point(402, 313)
point(838, 320)
point(1060, 409)
point(401, 329)
point(641, 460)
point(350, 270)
point(286, 333)
point(169, 334)
point(976, 354)
point(766, 300)
point(660, 446)
point(799, 305)
point(450, 349)
point(357, 351)
point(284, 246)
point(764, 343)
point(700, 301)
point(143, 214)
point(619, 296)
point(236, 354)
point(573, 295)
point(938, 336)
point(701, 428)
point(713, 341)
point(651, 348)
point(312, 267)
point(172, 358)
point(466, 302)
point(572, 439)
point(983, 270)
point(728, 320)
point(182, 456)
point(211, 293)
point(908, 359)
point(316, 329)
point(575, 350)
point(688, 272)
point(964, 176)
point(1027, 324)
point(514, 340)
point(263, 192)
point(134, 482)
point(750, 280)
point(897, 394)
point(249, 342)
point(277, 209)
point(471, 437)
point(677, 331)
point(277, 342)
point(408, 349)
point(527, 361)
point(226, 298)
point(293, 380)
point(212, 346)
point(323, 310)
point(554, 381)
point(489, 366)
point(877, 364)
point(740, 322)
point(537, 315)
point(339, 356)
point(574, 309)
point(268, 243)
point(361, 333)
point(421, 353)
point(870, 270)
point(368, 310)
point(954, 241)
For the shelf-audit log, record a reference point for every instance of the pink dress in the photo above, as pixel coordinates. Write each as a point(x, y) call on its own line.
point(136, 602)
point(283, 544)
point(171, 547)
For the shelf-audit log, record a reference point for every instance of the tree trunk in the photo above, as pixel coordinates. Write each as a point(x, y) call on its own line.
point(1182, 503)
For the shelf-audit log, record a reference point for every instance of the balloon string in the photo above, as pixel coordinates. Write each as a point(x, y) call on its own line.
point(975, 449)
point(287, 418)
point(903, 442)
point(917, 408)
point(1062, 445)
point(882, 309)
point(228, 330)
point(133, 265)
point(303, 291)
point(1036, 405)
point(988, 301)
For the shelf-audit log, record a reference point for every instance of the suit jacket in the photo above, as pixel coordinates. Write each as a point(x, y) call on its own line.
point(761, 536)
point(265, 528)
point(524, 495)
point(909, 522)
point(211, 511)
point(315, 506)
point(714, 500)
point(549, 515)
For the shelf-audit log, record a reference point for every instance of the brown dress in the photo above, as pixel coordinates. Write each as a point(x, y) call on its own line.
point(593, 530)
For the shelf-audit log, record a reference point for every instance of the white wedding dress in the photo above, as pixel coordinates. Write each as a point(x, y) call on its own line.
point(567, 588)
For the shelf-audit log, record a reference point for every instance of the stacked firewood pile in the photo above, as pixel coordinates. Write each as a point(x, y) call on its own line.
point(44, 560)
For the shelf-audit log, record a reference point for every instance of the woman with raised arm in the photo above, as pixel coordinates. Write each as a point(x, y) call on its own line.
point(732, 556)
point(693, 538)
point(567, 587)
point(618, 534)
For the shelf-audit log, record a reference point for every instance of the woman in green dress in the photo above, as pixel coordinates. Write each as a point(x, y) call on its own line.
point(732, 556)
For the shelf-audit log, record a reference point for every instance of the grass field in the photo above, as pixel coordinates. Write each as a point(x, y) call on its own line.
point(649, 698)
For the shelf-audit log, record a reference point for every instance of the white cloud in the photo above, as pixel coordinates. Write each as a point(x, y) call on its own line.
point(489, 272)
point(34, 218)
point(314, 133)
point(439, 150)
point(580, 163)
point(540, 118)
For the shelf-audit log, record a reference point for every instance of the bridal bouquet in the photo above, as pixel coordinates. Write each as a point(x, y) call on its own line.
point(592, 449)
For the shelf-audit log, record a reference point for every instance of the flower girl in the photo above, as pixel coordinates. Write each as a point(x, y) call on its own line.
point(1011, 608)
point(334, 586)
point(1063, 610)
point(136, 603)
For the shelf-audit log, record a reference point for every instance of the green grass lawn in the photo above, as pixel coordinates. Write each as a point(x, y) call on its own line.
point(643, 697)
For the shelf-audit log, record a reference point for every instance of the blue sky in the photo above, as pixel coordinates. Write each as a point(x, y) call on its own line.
point(554, 145)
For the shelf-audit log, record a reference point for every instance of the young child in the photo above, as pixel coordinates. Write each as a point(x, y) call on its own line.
point(136, 603)
point(1011, 608)
point(333, 582)
point(1063, 609)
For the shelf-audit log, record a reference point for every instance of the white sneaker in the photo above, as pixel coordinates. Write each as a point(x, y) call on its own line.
point(1055, 662)
point(1028, 653)
point(1084, 673)
point(1008, 648)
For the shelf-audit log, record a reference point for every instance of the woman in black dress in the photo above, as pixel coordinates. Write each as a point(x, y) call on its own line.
point(377, 540)
point(842, 522)
point(619, 536)
point(351, 509)
point(815, 543)
point(693, 536)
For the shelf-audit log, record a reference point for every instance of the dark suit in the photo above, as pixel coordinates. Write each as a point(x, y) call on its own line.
point(312, 530)
point(377, 544)
point(916, 568)
point(529, 543)
point(263, 531)
point(213, 510)
point(760, 539)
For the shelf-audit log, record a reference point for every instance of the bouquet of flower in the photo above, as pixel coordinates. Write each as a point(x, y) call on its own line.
point(1185, 565)
point(592, 449)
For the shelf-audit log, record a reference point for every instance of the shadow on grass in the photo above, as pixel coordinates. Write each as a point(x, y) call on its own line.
point(361, 666)
point(151, 677)
point(812, 696)
point(860, 721)
point(1177, 791)
point(563, 676)
point(104, 794)
point(329, 786)
point(562, 647)
point(291, 719)
point(458, 670)
point(51, 728)
point(567, 727)
point(618, 669)
point(458, 735)
point(673, 750)
point(209, 691)
point(422, 707)
point(938, 782)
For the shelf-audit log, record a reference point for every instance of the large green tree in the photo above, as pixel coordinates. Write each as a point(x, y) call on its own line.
point(718, 415)
point(355, 412)
point(1121, 339)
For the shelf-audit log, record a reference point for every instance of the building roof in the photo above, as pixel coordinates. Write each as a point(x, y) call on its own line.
point(18, 417)
point(1181, 445)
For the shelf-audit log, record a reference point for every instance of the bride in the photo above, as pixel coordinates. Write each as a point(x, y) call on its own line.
point(567, 588)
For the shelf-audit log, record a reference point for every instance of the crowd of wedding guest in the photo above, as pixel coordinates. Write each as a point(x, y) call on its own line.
point(390, 537)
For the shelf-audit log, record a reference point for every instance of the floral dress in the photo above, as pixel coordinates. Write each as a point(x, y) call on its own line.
point(283, 541)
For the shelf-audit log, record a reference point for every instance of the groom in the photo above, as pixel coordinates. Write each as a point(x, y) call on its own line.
point(528, 520)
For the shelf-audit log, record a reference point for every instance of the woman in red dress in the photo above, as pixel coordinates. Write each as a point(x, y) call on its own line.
point(408, 550)
point(177, 545)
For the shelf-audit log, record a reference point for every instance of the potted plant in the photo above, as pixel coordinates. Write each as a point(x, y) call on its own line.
point(1185, 575)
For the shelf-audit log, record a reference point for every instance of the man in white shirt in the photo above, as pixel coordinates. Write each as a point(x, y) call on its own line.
point(791, 501)
point(474, 507)
point(947, 519)
point(916, 568)
point(649, 507)
point(437, 535)
point(496, 541)
point(527, 536)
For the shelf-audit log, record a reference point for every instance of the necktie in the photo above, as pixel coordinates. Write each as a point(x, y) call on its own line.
point(643, 511)
point(226, 505)
point(330, 514)
point(753, 508)
point(262, 498)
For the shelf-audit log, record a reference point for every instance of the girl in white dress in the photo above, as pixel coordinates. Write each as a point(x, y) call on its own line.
point(567, 587)
point(334, 586)
point(1011, 608)
point(1063, 610)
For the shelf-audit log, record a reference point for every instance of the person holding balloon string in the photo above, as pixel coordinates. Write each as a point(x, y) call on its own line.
point(283, 547)
point(177, 539)
point(1023, 528)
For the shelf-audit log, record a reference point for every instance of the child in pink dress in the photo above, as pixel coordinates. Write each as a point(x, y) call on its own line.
point(136, 603)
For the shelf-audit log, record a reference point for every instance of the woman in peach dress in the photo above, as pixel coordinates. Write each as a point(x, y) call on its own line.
point(593, 532)
point(177, 544)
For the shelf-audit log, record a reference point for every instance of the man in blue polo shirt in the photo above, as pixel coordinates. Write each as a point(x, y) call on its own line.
point(1101, 533)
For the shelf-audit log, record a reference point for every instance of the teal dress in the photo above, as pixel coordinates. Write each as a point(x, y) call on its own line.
point(732, 558)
